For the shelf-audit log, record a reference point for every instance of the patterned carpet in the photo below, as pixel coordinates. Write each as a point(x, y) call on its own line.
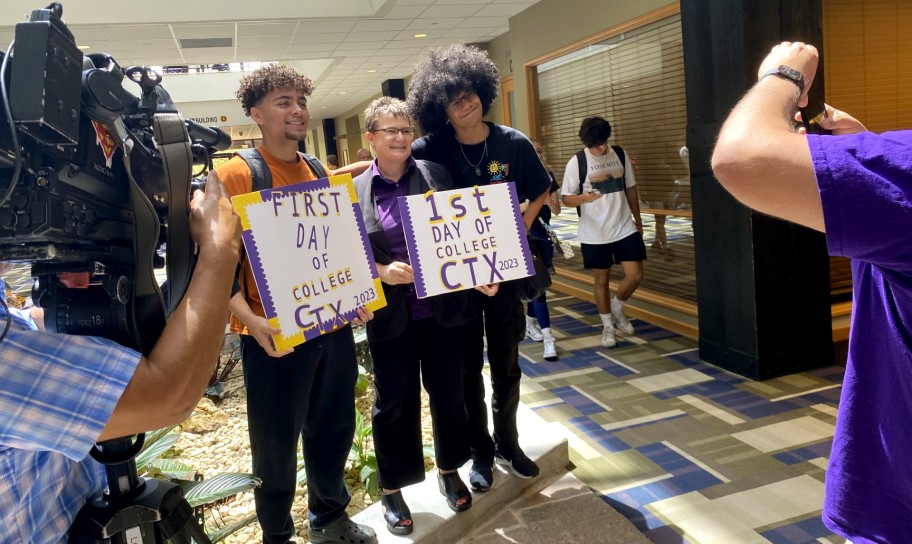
point(688, 452)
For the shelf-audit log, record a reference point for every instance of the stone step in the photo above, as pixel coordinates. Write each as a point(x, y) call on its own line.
point(565, 512)
point(435, 523)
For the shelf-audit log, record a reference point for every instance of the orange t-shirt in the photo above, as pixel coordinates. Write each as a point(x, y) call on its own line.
point(235, 174)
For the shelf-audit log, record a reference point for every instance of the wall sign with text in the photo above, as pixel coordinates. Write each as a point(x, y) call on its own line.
point(310, 256)
point(465, 237)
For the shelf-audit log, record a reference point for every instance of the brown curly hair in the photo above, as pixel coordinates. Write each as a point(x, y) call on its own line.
point(257, 84)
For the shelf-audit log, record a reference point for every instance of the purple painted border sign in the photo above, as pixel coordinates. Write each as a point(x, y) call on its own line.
point(310, 256)
point(465, 237)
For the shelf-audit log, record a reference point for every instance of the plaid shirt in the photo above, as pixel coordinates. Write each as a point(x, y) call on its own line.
point(56, 394)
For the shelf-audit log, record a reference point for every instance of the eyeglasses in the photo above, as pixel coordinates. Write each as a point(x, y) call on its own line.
point(407, 132)
point(457, 103)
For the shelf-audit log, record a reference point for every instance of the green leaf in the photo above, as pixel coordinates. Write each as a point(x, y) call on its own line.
point(428, 450)
point(366, 472)
point(155, 449)
point(230, 529)
point(217, 487)
point(172, 469)
point(153, 437)
point(361, 385)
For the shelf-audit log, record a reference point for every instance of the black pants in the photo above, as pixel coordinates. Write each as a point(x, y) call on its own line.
point(430, 353)
point(310, 394)
point(502, 320)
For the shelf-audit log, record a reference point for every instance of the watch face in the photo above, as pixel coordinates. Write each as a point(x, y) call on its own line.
point(789, 72)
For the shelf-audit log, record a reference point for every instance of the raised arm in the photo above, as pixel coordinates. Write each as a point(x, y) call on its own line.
point(355, 168)
point(759, 157)
point(168, 383)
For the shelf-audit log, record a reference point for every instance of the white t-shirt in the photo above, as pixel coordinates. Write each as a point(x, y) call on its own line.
point(609, 218)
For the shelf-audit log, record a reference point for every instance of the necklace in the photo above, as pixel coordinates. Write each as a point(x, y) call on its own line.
point(484, 152)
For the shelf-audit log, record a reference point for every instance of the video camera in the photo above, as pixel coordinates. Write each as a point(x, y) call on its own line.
point(95, 181)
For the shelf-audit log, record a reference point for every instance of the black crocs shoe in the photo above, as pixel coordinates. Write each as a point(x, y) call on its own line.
point(518, 463)
point(343, 531)
point(481, 477)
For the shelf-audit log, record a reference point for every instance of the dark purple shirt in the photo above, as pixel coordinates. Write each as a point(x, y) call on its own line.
point(865, 183)
point(386, 199)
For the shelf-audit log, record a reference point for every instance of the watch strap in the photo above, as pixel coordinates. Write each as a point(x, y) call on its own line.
point(783, 72)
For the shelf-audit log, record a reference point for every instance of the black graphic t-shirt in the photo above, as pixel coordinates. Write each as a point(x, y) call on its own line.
point(509, 157)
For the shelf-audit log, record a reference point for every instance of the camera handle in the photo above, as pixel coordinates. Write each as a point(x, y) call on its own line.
point(134, 510)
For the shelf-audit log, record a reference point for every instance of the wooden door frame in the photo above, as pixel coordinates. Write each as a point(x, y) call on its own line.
point(506, 87)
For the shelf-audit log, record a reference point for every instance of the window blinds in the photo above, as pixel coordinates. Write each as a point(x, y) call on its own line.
point(635, 80)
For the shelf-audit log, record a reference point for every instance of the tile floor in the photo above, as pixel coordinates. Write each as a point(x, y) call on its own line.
point(688, 452)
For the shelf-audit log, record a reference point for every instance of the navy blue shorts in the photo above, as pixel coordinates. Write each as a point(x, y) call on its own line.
point(603, 256)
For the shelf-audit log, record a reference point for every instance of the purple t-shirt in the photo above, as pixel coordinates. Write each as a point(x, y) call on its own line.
point(386, 197)
point(865, 183)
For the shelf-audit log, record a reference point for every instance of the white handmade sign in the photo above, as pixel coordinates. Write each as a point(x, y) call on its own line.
point(310, 256)
point(465, 237)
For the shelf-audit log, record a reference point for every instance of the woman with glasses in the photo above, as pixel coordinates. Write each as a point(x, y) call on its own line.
point(451, 90)
point(411, 339)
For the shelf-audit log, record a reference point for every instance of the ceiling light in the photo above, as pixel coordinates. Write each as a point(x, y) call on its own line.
point(421, 35)
point(85, 46)
point(371, 71)
point(343, 92)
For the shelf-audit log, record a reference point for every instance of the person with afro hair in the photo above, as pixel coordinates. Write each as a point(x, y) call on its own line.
point(451, 90)
point(305, 393)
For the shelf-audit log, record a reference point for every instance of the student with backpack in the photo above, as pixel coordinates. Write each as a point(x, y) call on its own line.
point(307, 393)
point(600, 181)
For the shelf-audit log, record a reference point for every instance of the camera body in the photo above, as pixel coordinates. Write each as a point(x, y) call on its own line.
point(95, 181)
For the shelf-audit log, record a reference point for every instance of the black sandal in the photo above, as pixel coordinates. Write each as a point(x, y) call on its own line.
point(396, 513)
point(454, 490)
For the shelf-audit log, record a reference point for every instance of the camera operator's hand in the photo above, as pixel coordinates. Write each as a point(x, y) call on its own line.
point(213, 224)
point(798, 56)
point(169, 382)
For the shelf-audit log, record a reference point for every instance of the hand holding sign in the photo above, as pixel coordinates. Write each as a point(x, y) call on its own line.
point(396, 273)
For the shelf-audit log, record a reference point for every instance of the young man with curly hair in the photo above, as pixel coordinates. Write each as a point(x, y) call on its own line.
point(307, 392)
point(451, 90)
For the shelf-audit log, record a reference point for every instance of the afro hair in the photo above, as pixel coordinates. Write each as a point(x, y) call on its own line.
point(257, 84)
point(442, 74)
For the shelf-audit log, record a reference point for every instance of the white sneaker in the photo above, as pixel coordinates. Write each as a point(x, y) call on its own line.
point(608, 340)
point(550, 349)
point(533, 331)
point(617, 310)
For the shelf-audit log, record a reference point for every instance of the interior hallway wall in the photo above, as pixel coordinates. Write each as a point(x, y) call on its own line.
point(552, 24)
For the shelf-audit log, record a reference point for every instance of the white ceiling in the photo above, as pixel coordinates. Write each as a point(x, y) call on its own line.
point(347, 46)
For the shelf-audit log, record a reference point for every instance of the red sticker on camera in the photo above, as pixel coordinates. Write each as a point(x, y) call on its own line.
point(104, 139)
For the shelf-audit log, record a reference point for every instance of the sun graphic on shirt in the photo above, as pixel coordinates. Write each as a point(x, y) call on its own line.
point(494, 167)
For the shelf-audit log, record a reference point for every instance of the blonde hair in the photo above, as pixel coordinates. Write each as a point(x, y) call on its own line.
point(385, 105)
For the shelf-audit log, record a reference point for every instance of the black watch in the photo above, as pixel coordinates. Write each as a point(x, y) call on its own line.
point(788, 73)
